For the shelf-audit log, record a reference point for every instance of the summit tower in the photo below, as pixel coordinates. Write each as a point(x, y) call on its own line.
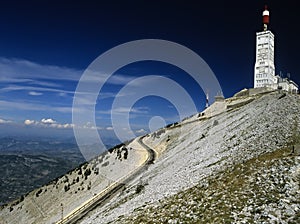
point(264, 70)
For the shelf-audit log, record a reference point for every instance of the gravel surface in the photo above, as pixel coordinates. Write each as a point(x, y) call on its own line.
point(195, 152)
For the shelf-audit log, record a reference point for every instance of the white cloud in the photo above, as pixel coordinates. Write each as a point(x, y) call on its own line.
point(37, 79)
point(2, 121)
point(62, 94)
point(61, 126)
point(89, 125)
point(23, 105)
point(33, 93)
point(34, 89)
point(48, 121)
point(13, 69)
point(125, 110)
point(51, 123)
point(109, 128)
point(30, 122)
point(121, 79)
point(140, 131)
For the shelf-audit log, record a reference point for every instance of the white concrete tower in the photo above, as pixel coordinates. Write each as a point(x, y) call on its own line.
point(264, 70)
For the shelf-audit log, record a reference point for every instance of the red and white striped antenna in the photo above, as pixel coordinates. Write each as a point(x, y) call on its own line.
point(266, 18)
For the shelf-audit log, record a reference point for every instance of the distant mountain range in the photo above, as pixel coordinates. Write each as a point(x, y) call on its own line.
point(28, 163)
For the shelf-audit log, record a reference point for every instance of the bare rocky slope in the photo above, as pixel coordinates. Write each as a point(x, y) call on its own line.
point(234, 167)
point(238, 162)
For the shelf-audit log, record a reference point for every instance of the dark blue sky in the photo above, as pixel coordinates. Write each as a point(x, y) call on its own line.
point(72, 34)
point(61, 38)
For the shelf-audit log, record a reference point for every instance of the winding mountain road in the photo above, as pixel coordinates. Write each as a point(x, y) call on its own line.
point(110, 191)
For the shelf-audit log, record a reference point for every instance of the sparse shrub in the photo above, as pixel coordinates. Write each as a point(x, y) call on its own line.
point(169, 138)
point(15, 203)
point(77, 179)
point(39, 192)
point(169, 125)
point(96, 171)
point(22, 198)
point(80, 171)
point(116, 147)
point(100, 159)
point(105, 164)
point(89, 185)
point(10, 209)
point(87, 173)
point(125, 154)
point(119, 154)
point(66, 179)
point(159, 133)
point(215, 123)
point(139, 188)
point(67, 187)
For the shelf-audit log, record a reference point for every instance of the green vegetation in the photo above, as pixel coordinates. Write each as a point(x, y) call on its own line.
point(38, 192)
point(105, 164)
